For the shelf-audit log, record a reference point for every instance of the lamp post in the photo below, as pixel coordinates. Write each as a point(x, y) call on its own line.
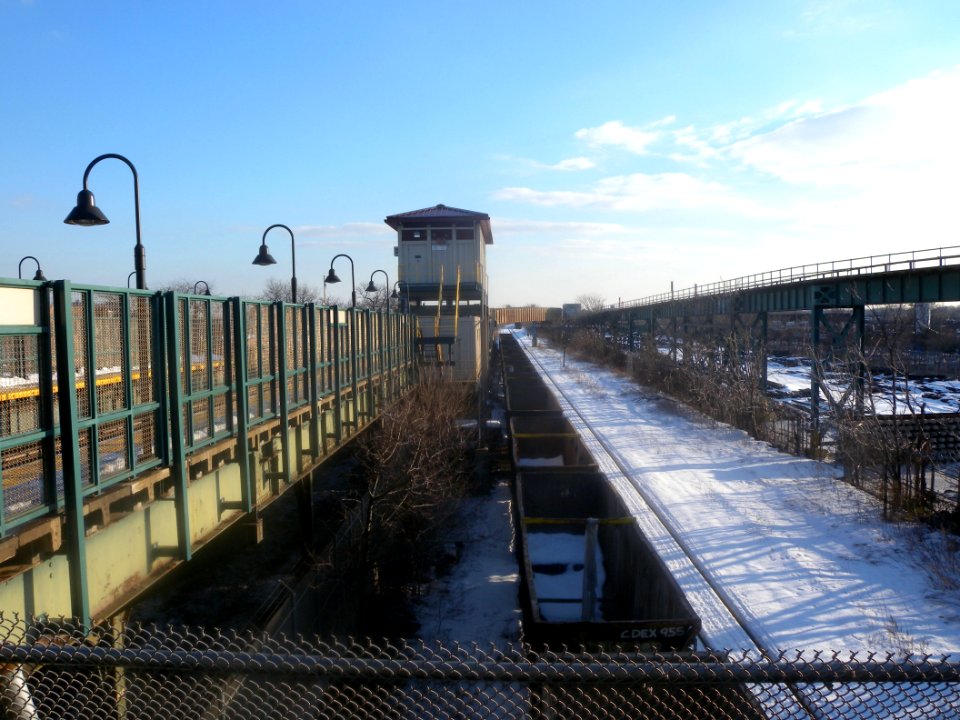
point(332, 278)
point(371, 288)
point(37, 276)
point(206, 287)
point(86, 212)
point(130, 276)
point(265, 258)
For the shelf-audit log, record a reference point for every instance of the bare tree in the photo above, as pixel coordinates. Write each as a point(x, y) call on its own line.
point(379, 299)
point(275, 289)
point(590, 302)
point(183, 285)
point(413, 472)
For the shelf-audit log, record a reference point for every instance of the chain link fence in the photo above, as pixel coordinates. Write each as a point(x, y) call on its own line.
point(62, 670)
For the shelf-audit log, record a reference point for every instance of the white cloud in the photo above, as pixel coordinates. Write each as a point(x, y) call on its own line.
point(843, 17)
point(511, 226)
point(615, 133)
point(22, 201)
point(357, 229)
point(902, 136)
point(795, 183)
point(639, 192)
point(576, 163)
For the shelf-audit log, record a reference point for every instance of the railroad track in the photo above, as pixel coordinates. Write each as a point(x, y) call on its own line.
point(718, 609)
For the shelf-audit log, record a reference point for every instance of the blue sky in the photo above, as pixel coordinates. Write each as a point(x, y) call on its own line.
point(617, 146)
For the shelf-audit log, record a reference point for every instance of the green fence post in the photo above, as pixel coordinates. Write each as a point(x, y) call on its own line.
point(242, 403)
point(354, 370)
point(337, 375)
point(74, 536)
point(286, 473)
point(312, 389)
point(179, 364)
point(368, 327)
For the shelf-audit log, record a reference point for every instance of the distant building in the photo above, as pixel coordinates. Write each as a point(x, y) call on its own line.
point(441, 255)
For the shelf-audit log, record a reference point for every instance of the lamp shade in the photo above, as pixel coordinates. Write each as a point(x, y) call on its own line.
point(331, 277)
point(86, 212)
point(39, 275)
point(371, 287)
point(264, 257)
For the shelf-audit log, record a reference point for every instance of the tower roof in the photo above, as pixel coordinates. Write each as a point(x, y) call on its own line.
point(443, 213)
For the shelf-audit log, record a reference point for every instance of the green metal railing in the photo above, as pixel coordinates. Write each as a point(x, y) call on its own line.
point(101, 386)
point(911, 260)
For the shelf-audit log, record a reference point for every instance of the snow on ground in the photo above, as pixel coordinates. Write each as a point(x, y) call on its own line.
point(805, 555)
point(931, 395)
point(478, 600)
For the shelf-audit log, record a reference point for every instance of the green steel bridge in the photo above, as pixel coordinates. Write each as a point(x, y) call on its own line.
point(136, 426)
point(834, 296)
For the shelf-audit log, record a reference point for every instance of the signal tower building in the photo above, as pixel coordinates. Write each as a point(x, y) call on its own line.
point(442, 266)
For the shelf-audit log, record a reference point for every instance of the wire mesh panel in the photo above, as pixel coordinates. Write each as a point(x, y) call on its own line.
point(28, 458)
point(143, 309)
point(324, 357)
point(23, 486)
point(109, 365)
point(347, 331)
point(201, 368)
point(295, 355)
point(19, 384)
point(82, 317)
point(56, 670)
point(360, 327)
point(115, 354)
point(261, 361)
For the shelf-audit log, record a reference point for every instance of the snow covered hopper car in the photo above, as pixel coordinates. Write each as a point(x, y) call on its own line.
point(589, 575)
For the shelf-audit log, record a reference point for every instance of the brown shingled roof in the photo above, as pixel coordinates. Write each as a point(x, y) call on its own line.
point(443, 212)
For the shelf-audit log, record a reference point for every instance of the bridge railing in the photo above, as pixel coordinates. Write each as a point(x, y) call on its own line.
point(101, 385)
point(866, 265)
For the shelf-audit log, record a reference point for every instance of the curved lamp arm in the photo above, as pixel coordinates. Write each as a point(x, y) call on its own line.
point(332, 278)
point(37, 276)
point(86, 213)
point(373, 288)
point(293, 255)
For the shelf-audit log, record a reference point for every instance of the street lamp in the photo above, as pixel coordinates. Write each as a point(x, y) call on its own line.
point(130, 276)
point(39, 274)
point(371, 288)
point(332, 278)
point(265, 258)
point(86, 212)
point(206, 288)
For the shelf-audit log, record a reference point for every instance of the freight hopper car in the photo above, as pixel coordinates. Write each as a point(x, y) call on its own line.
point(589, 576)
point(547, 442)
